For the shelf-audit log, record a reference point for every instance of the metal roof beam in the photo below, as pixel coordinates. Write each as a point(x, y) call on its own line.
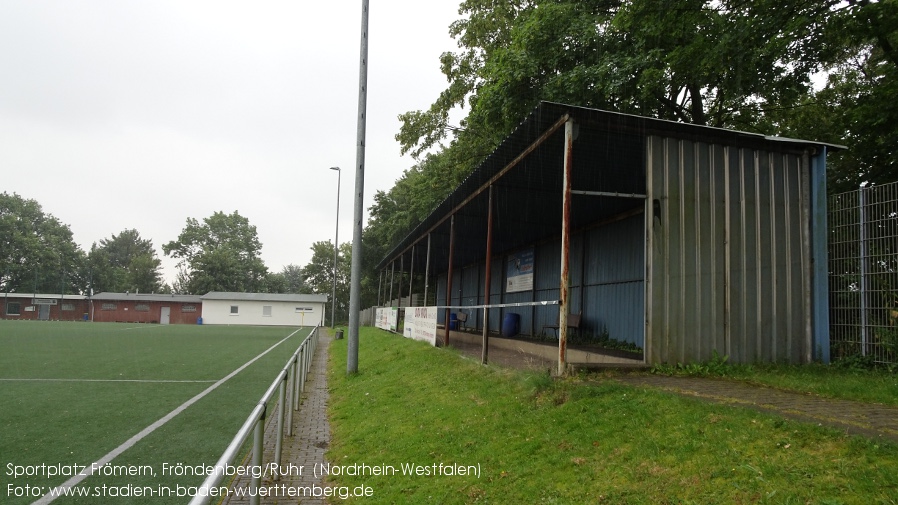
point(526, 152)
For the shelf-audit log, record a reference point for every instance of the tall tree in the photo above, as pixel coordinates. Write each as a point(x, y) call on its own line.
point(125, 262)
point(723, 63)
point(318, 274)
point(37, 253)
point(220, 254)
point(288, 280)
point(294, 281)
point(718, 63)
point(857, 106)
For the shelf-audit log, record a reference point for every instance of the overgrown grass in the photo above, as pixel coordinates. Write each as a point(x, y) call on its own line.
point(78, 421)
point(539, 440)
point(842, 379)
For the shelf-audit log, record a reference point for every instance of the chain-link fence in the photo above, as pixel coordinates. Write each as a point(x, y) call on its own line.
point(863, 266)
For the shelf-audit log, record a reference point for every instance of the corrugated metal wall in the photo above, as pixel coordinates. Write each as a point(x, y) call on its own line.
point(471, 293)
point(729, 268)
point(614, 293)
point(546, 286)
point(607, 287)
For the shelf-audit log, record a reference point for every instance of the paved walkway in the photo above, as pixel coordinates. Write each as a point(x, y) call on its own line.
point(305, 449)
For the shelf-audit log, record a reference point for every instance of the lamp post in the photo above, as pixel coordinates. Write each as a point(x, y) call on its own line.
point(336, 246)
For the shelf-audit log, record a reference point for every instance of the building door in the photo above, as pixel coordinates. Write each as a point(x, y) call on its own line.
point(43, 312)
point(165, 315)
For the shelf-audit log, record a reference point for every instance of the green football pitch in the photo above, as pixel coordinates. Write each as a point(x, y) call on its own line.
point(72, 392)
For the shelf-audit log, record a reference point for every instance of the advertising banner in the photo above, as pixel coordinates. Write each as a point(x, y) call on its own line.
point(519, 273)
point(423, 324)
point(385, 318)
point(394, 318)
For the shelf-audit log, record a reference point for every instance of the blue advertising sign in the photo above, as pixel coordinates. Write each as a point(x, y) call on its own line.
point(520, 272)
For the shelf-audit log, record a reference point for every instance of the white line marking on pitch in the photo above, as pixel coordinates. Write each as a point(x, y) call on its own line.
point(104, 380)
point(142, 327)
point(89, 469)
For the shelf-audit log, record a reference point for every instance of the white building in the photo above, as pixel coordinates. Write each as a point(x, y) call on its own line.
point(265, 309)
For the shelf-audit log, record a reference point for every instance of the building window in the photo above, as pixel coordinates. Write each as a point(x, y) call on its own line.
point(142, 307)
point(234, 310)
point(13, 309)
point(68, 307)
point(188, 308)
point(108, 306)
point(303, 309)
point(266, 311)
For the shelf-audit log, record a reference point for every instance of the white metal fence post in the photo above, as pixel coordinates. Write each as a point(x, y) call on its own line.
point(279, 441)
point(298, 391)
point(291, 378)
point(256, 480)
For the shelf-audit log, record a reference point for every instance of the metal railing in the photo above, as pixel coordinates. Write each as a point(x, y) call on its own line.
point(294, 373)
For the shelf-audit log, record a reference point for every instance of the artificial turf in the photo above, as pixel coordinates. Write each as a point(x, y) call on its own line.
point(72, 391)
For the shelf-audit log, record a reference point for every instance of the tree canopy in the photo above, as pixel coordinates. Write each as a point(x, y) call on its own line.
point(289, 280)
point(125, 262)
point(318, 274)
point(724, 63)
point(221, 253)
point(857, 106)
point(711, 63)
point(37, 253)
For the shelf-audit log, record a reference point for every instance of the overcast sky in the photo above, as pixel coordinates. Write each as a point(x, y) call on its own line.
point(135, 114)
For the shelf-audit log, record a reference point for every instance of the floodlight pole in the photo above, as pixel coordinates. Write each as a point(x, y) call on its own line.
point(336, 247)
point(355, 283)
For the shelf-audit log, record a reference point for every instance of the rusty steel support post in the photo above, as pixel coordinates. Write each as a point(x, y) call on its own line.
point(449, 277)
point(411, 276)
point(565, 246)
point(484, 355)
point(401, 269)
point(392, 276)
point(380, 282)
point(427, 272)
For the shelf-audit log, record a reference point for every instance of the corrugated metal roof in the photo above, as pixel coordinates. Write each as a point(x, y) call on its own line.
point(265, 297)
point(609, 155)
point(147, 297)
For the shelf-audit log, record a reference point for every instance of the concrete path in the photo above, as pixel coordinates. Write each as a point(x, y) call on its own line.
point(305, 449)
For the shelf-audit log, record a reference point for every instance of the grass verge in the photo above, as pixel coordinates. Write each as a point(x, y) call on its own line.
point(538, 440)
point(840, 379)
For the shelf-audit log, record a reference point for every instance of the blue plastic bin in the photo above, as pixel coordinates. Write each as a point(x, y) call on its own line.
point(511, 324)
